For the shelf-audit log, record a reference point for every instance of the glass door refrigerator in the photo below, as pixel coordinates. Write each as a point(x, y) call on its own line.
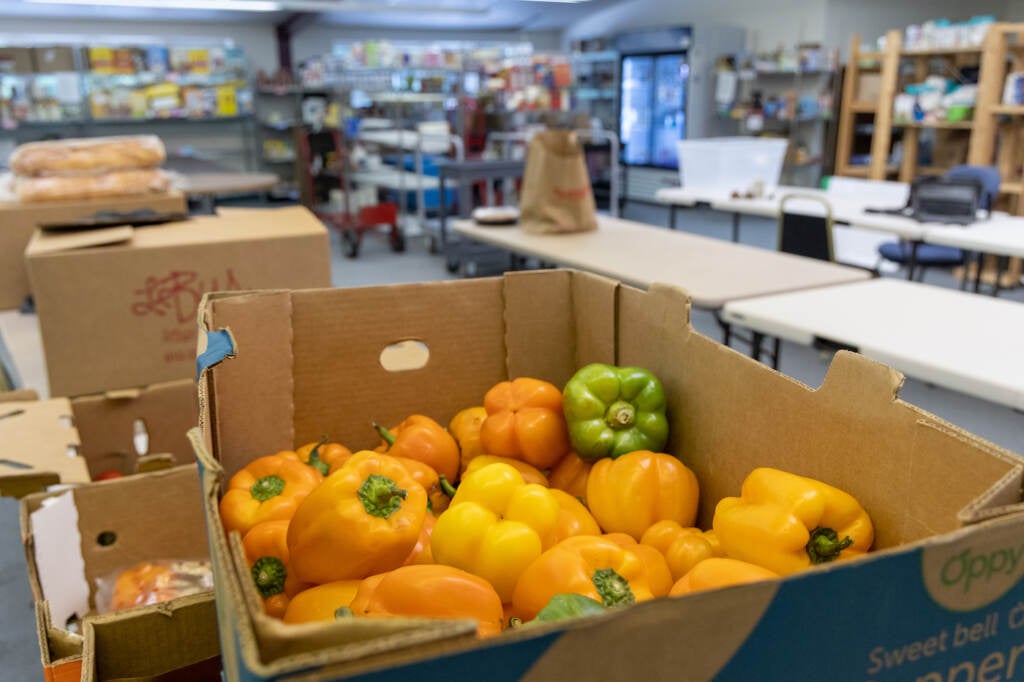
point(652, 117)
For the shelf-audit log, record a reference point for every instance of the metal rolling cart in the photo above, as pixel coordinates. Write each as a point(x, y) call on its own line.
point(325, 165)
point(466, 174)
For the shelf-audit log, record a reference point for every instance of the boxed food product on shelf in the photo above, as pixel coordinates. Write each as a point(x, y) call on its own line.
point(128, 297)
point(20, 220)
point(94, 437)
point(16, 60)
point(131, 530)
point(54, 59)
point(946, 505)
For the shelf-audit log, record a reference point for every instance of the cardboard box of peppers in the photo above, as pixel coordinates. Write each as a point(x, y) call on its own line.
point(541, 504)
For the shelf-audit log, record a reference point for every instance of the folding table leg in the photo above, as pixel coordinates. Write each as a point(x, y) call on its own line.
point(1002, 263)
point(755, 345)
point(671, 216)
point(776, 351)
point(912, 261)
point(977, 272)
point(736, 227)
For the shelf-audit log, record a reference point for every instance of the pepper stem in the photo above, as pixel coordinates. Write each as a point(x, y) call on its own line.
point(620, 415)
point(343, 612)
point(314, 458)
point(381, 496)
point(269, 574)
point(613, 589)
point(265, 488)
point(388, 437)
point(446, 487)
point(825, 545)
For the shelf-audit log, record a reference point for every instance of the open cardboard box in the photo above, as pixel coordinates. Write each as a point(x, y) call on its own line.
point(18, 221)
point(114, 525)
point(946, 504)
point(43, 443)
point(117, 306)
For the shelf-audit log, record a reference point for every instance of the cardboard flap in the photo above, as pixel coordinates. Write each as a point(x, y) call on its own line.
point(61, 573)
point(856, 379)
point(52, 242)
point(38, 439)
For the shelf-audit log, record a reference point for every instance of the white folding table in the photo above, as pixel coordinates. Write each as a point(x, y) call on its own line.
point(967, 343)
point(713, 271)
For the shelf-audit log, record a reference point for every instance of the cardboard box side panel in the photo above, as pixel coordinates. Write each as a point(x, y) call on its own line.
point(339, 336)
point(540, 337)
point(594, 304)
point(259, 420)
point(14, 237)
point(151, 642)
point(36, 438)
point(155, 516)
point(22, 395)
point(106, 425)
point(249, 225)
point(119, 317)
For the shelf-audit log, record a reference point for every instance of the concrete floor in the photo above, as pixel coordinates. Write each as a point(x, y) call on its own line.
point(378, 265)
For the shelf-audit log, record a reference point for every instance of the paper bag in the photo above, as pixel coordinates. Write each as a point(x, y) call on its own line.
point(556, 187)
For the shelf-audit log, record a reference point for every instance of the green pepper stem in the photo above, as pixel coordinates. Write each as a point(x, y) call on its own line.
point(446, 487)
point(314, 458)
point(269, 574)
point(267, 487)
point(620, 415)
point(381, 496)
point(613, 589)
point(388, 437)
point(825, 545)
point(343, 612)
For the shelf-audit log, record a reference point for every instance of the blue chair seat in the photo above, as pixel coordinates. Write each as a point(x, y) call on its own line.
point(927, 254)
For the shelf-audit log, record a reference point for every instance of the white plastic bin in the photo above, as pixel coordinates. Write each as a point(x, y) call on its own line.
point(734, 163)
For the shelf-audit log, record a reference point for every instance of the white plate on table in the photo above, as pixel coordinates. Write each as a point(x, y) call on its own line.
point(496, 215)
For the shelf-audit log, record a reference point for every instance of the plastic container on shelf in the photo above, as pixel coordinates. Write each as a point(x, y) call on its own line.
point(734, 163)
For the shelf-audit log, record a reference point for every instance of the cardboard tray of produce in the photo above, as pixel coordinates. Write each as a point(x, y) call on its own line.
point(941, 593)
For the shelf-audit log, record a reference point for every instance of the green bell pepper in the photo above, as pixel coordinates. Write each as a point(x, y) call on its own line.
point(612, 411)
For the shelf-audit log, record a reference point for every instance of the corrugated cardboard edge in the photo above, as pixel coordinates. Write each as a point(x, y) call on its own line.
point(190, 619)
point(849, 374)
point(59, 435)
point(21, 395)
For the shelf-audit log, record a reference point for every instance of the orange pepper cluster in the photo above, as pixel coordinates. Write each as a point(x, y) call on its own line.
point(489, 519)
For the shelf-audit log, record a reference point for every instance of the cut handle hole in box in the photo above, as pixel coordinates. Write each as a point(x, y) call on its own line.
point(106, 538)
point(405, 356)
point(140, 437)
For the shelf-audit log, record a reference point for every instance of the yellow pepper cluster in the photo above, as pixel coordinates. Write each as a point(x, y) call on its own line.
point(329, 533)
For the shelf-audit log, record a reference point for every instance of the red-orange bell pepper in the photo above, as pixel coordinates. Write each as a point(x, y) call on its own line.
point(525, 421)
point(423, 439)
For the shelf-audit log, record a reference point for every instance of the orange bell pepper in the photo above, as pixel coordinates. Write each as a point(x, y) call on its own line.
point(364, 519)
point(683, 548)
point(525, 421)
point(323, 455)
point(465, 427)
point(421, 553)
point(144, 584)
point(422, 474)
point(267, 489)
point(573, 518)
point(658, 573)
point(571, 475)
point(322, 602)
point(266, 553)
point(595, 567)
point(431, 591)
point(530, 473)
point(631, 493)
point(717, 572)
point(423, 439)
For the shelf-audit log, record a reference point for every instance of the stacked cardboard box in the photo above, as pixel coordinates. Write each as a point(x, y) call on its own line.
point(941, 593)
point(117, 306)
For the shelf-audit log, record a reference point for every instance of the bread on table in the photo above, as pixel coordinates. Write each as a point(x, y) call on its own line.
point(116, 184)
point(87, 156)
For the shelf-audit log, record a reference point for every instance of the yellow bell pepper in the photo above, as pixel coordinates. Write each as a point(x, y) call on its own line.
point(788, 523)
point(531, 474)
point(465, 427)
point(718, 572)
point(573, 518)
point(365, 518)
point(683, 548)
point(631, 493)
point(596, 567)
point(322, 602)
point(496, 526)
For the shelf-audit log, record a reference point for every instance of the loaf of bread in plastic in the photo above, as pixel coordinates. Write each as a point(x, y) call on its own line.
point(87, 156)
point(116, 184)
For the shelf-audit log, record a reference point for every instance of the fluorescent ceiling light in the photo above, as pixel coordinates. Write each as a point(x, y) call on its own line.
point(229, 5)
